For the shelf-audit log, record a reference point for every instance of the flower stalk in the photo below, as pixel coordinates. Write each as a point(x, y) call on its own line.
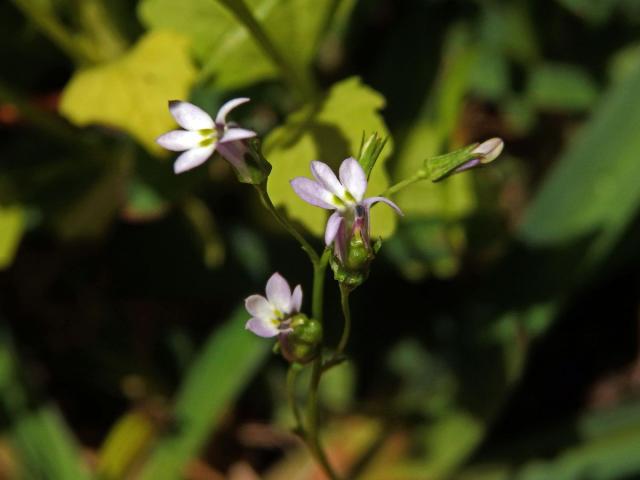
point(346, 313)
point(442, 166)
point(284, 222)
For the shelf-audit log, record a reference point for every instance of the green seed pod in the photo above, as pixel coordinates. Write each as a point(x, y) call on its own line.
point(358, 255)
point(301, 344)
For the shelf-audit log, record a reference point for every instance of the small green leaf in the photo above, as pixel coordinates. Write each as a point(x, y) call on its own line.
point(594, 11)
point(12, 223)
point(331, 134)
point(144, 203)
point(489, 77)
point(561, 87)
point(131, 92)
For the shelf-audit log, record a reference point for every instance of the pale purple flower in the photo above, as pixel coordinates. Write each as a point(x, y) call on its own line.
point(270, 315)
point(345, 196)
point(202, 135)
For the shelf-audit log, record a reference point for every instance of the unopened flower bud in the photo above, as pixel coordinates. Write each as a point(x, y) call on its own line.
point(489, 149)
point(301, 342)
point(370, 150)
point(487, 152)
point(471, 156)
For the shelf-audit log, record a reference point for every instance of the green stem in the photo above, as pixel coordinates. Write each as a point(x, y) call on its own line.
point(312, 431)
point(319, 270)
point(292, 375)
point(282, 220)
point(99, 27)
point(243, 14)
point(76, 48)
point(346, 312)
point(393, 189)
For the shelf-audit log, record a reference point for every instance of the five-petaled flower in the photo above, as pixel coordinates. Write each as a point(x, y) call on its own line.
point(271, 316)
point(345, 197)
point(202, 135)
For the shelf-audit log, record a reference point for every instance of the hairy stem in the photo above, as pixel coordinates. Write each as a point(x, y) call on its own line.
point(301, 82)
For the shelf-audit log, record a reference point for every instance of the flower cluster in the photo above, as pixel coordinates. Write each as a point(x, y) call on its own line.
point(347, 232)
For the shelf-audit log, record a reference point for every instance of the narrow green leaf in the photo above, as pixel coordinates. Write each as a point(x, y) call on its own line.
point(594, 188)
point(224, 367)
point(594, 11)
point(561, 87)
point(46, 447)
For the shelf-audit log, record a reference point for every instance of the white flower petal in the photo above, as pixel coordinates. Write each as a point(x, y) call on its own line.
point(258, 306)
point(192, 158)
point(279, 293)
point(221, 117)
point(179, 140)
point(311, 192)
point(325, 177)
point(333, 225)
point(262, 328)
point(353, 178)
point(296, 299)
point(235, 134)
point(189, 116)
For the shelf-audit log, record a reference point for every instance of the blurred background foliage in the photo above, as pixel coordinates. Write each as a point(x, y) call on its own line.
point(497, 338)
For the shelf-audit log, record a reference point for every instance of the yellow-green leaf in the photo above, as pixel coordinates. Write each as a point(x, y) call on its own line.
point(329, 134)
point(11, 229)
point(131, 93)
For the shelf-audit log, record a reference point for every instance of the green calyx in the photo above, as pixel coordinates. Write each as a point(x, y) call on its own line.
point(301, 345)
point(355, 269)
point(254, 169)
point(440, 167)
